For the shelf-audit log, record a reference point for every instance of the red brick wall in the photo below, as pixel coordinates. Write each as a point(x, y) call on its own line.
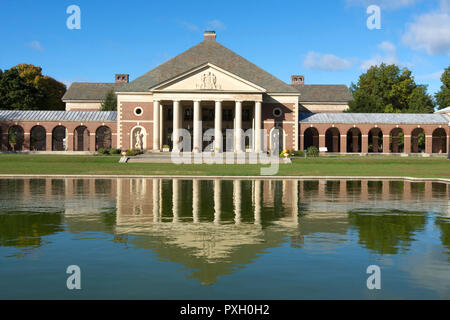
point(50, 125)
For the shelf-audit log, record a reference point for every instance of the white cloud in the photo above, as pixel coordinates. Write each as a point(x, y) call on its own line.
point(216, 25)
point(445, 5)
point(429, 32)
point(384, 4)
point(190, 26)
point(36, 46)
point(326, 62)
point(389, 56)
point(432, 76)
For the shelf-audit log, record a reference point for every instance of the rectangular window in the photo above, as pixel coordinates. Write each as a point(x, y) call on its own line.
point(227, 115)
point(188, 114)
point(246, 113)
point(169, 114)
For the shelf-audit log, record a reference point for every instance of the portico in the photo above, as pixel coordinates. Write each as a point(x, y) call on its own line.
point(207, 118)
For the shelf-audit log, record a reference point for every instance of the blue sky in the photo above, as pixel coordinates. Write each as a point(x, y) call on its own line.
point(327, 41)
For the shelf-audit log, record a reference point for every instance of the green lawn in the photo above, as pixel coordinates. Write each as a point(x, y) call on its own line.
point(325, 166)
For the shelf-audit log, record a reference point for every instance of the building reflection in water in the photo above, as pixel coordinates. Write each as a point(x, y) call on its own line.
point(213, 227)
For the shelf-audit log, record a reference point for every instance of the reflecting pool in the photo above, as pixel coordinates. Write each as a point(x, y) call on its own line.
point(223, 239)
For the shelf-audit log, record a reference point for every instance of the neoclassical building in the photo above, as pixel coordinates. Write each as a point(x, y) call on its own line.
point(210, 89)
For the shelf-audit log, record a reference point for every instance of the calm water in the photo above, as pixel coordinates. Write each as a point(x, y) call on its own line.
point(223, 239)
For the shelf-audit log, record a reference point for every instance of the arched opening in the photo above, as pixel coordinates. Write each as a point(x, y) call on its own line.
point(397, 141)
point(81, 139)
point(59, 138)
point(38, 137)
point(103, 138)
point(439, 141)
point(375, 140)
point(333, 140)
point(354, 139)
point(418, 141)
point(276, 140)
point(15, 138)
point(311, 138)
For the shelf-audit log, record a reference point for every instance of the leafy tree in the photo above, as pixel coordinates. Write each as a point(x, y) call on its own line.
point(53, 92)
point(443, 96)
point(19, 94)
point(389, 89)
point(419, 101)
point(110, 101)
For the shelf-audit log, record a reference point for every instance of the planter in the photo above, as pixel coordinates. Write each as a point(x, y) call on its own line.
point(166, 149)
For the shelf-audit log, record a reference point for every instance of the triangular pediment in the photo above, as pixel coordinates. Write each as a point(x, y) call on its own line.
point(208, 78)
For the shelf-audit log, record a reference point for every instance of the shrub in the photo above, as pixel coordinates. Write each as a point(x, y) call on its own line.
point(312, 152)
point(133, 152)
point(299, 153)
point(129, 153)
point(115, 151)
point(103, 151)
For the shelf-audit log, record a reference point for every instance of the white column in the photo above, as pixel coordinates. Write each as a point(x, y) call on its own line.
point(258, 201)
point(196, 200)
point(258, 126)
point(238, 127)
point(217, 204)
point(175, 197)
point(197, 142)
point(156, 125)
point(237, 201)
point(295, 201)
point(161, 125)
point(156, 203)
point(176, 125)
point(218, 145)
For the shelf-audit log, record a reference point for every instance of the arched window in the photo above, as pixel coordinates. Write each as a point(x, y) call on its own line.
point(103, 138)
point(375, 140)
point(333, 140)
point(439, 141)
point(418, 140)
point(59, 138)
point(311, 138)
point(38, 137)
point(81, 139)
point(354, 140)
point(397, 141)
point(15, 138)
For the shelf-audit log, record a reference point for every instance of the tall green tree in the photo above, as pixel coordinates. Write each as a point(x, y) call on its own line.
point(19, 95)
point(443, 96)
point(389, 89)
point(110, 101)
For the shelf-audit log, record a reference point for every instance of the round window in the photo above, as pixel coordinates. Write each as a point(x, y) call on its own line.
point(138, 111)
point(277, 112)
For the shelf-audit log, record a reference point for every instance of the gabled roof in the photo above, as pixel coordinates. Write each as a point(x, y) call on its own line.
point(89, 91)
point(208, 51)
point(85, 116)
point(324, 93)
point(374, 118)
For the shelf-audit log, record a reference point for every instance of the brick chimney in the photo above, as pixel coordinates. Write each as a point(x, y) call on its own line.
point(298, 79)
point(122, 78)
point(210, 35)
